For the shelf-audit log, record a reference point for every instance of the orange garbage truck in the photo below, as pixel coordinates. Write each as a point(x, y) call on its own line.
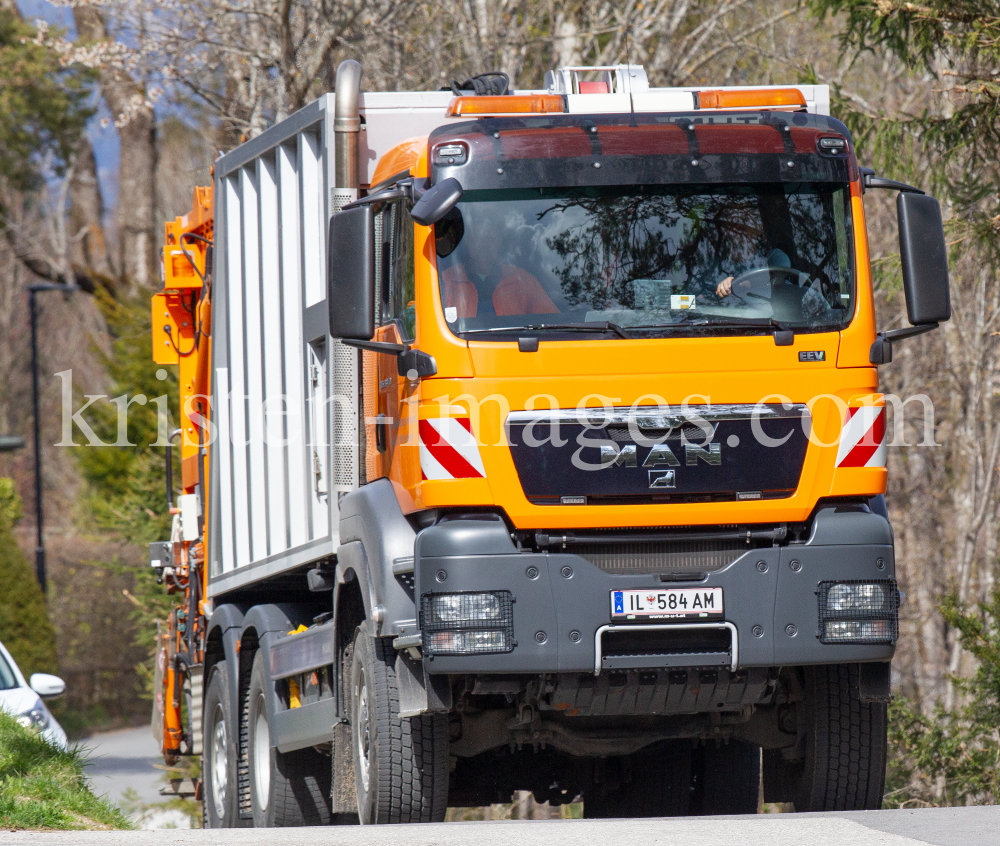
point(532, 440)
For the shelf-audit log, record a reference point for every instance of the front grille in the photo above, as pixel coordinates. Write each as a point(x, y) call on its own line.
point(648, 557)
point(590, 457)
point(665, 641)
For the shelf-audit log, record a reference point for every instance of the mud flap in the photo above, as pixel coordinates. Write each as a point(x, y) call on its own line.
point(159, 671)
point(195, 702)
point(419, 692)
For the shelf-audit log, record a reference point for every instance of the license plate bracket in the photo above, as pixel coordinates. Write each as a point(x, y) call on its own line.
point(667, 604)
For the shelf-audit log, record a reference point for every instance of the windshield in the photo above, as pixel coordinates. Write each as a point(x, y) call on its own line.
point(7, 680)
point(649, 259)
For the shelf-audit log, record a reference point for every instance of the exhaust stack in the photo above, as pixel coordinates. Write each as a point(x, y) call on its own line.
point(346, 130)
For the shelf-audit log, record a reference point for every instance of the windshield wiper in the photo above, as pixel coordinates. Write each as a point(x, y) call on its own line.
point(593, 326)
point(784, 335)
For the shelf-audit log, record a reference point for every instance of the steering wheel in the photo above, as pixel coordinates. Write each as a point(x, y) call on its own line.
point(757, 272)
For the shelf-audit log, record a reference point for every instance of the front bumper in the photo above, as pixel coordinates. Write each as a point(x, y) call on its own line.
point(561, 602)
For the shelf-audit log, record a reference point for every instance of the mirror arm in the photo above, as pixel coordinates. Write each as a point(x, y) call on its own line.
point(410, 188)
point(870, 180)
point(387, 196)
point(408, 360)
point(881, 351)
point(376, 346)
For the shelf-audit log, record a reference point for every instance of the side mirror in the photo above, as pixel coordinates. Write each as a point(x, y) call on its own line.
point(47, 686)
point(436, 202)
point(925, 259)
point(350, 291)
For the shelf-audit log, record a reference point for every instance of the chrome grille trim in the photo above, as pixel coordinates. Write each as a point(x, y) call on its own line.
point(660, 417)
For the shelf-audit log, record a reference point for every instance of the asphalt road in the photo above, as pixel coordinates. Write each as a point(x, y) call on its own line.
point(940, 826)
point(130, 760)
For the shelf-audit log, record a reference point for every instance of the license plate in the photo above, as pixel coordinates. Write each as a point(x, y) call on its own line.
point(667, 604)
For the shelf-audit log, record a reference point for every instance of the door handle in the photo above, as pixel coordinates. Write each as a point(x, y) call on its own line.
point(381, 432)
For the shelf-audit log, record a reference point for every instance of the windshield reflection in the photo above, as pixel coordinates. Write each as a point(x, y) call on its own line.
point(662, 256)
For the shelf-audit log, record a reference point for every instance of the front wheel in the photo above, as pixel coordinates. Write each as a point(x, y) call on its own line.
point(400, 765)
point(845, 744)
point(843, 765)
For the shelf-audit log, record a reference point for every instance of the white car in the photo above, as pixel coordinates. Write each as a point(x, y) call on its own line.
point(24, 699)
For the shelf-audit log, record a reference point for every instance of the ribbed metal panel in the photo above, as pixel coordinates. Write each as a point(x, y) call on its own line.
point(687, 556)
point(345, 417)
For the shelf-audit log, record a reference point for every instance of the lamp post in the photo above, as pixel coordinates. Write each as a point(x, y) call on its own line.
point(32, 307)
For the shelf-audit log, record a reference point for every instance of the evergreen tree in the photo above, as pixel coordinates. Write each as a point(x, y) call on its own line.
point(949, 757)
point(126, 493)
point(25, 628)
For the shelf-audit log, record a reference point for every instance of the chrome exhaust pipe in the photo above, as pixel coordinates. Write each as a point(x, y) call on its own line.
point(346, 132)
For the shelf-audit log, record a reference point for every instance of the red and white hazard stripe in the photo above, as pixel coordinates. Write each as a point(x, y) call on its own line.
point(862, 440)
point(448, 449)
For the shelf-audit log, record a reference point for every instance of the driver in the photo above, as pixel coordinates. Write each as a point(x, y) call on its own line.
point(481, 285)
point(789, 300)
point(775, 258)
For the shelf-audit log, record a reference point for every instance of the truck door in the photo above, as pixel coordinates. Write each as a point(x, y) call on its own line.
point(396, 316)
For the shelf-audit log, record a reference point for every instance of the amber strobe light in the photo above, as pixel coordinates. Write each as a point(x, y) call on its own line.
point(509, 104)
point(752, 98)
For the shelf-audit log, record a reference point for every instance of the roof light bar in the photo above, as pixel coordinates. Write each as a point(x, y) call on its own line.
point(508, 104)
point(752, 98)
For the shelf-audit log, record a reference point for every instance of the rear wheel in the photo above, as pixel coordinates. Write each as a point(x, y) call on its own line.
point(286, 789)
point(219, 756)
point(654, 782)
point(844, 768)
point(400, 765)
point(726, 779)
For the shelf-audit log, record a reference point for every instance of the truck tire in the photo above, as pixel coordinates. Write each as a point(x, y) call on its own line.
point(400, 765)
point(219, 756)
point(845, 744)
point(286, 788)
point(654, 782)
point(726, 779)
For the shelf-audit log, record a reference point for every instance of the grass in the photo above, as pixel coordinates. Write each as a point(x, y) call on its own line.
point(42, 787)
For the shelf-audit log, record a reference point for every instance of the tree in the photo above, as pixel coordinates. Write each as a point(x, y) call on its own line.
point(25, 628)
point(127, 96)
point(42, 114)
point(951, 144)
point(125, 493)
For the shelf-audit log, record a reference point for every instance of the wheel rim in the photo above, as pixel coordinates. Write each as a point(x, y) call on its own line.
point(363, 732)
point(220, 762)
point(261, 756)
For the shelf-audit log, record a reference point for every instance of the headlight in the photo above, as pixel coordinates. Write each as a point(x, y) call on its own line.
point(467, 623)
point(858, 612)
point(37, 718)
point(856, 597)
point(464, 607)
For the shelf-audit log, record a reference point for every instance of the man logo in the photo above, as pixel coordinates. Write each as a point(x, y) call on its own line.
point(661, 479)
